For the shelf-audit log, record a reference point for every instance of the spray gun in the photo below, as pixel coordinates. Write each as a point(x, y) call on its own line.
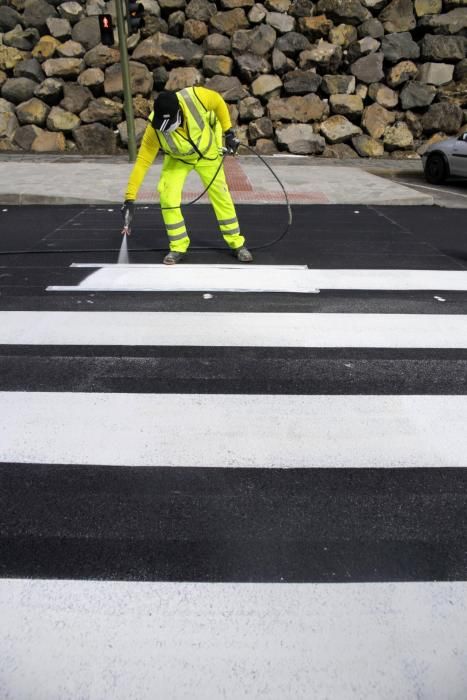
point(127, 211)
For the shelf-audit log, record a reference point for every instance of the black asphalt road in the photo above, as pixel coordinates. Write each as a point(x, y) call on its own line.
point(217, 524)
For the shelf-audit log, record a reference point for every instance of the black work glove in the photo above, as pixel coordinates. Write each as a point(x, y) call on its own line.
point(128, 212)
point(231, 141)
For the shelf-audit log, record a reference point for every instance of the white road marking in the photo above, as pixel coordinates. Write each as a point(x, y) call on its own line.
point(260, 278)
point(136, 641)
point(233, 329)
point(223, 430)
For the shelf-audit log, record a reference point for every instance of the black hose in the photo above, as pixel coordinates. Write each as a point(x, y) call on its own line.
point(269, 244)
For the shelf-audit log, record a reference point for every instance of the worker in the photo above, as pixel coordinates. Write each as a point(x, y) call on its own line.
point(187, 126)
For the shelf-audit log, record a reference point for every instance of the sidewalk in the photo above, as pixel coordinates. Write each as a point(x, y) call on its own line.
point(102, 180)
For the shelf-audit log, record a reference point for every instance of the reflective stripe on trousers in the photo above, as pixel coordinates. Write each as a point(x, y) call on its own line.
point(170, 188)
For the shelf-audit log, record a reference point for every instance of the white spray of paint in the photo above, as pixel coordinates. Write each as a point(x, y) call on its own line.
point(123, 257)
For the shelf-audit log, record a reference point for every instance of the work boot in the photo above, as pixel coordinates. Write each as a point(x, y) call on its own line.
point(243, 254)
point(172, 258)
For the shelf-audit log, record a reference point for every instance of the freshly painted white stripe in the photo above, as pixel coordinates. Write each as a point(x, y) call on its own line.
point(138, 641)
point(195, 278)
point(222, 430)
point(261, 278)
point(233, 329)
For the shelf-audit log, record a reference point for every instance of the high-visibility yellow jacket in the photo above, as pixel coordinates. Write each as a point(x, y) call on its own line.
point(205, 117)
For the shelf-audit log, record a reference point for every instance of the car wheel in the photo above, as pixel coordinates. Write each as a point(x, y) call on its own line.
point(435, 169)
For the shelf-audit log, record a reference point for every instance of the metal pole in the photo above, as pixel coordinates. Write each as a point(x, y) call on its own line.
point(130, 120)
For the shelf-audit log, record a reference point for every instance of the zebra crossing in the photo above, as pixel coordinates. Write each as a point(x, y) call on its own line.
point(182, 466)
point(203, 501)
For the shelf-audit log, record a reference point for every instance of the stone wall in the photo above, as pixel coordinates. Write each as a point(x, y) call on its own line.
point(338, 78)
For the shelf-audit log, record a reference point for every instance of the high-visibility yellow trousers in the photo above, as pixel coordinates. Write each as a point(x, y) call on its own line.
point(170, 188)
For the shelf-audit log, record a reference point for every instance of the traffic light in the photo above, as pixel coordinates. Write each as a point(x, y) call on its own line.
point(106, 29)
point(135, 16)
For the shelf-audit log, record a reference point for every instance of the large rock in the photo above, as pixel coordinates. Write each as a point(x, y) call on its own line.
point(217, 44)
point(339, 151)
point(371, 27)
point(76, 98)
point(36, 13)
point(70, 49)
point(454, 93)
point(250, 108)
point(72, 11)
point(301, 82)
point(343, 35)
point(102, 110)
point(282, 63)
point(59, 28)
point(45, 48)
point(398, 16)
point(61, 120)
point(427, 7)
point(8, 125)
point(230, 88)
point(48, 142)
point(249, 66)
point(347, 11)
point(141, 79)
point(442, 117)
point(92, 78)
point(265, 147)
point(337, 129)
point(50, 91)
point(403, 71)
point(9, 18)
point(338, 84)
point(367, 147)
point(398, 46)
point(95, 139)
point(195, 30)
point(460, 71)
point(323, 54)
point(435, 73)
point(30, 68)
point(296, 109)
point(260, 129)
point(415, 94)
point(32, 111)
point(369, 69)
point(230, 22)
point(266, 85)
point(18, 90)
point(383, 95)
point(349, 105)
point(259, 41)
point(101, 56)
point(9, 57)
point(140, 128)
point(200, 9)
point(376, 119)
point(316, 27)
point(180, 78)
point(300, 139)
point(257, 13)
point(397, 137)
point(87, 33)
point(292, 43)
point(442, 48)
point(63, 67)
point(26, 135)
point(452, 22)
point(362, 47)
point(162, 49)
point(217, 65)
point(280, 22)
point(19, 38)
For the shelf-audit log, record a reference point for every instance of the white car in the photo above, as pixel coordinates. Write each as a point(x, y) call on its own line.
point(445, 159)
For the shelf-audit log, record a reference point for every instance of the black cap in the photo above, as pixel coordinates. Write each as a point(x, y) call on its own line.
point(166, 109)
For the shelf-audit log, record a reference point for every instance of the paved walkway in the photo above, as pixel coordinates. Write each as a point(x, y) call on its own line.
point(77, 180)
